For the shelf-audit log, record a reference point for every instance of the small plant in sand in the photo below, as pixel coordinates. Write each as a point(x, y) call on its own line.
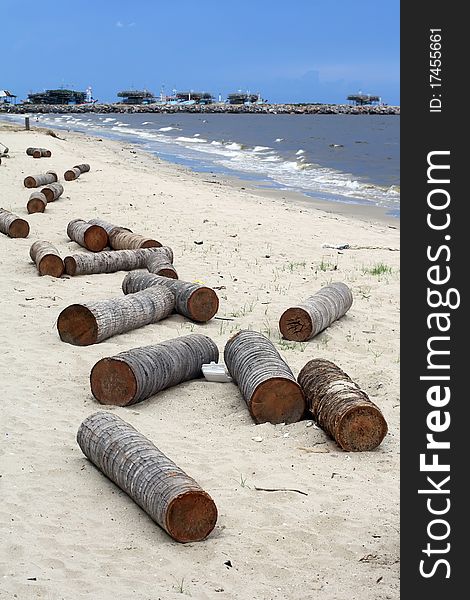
point(285, 345)
point(365, 292)
point(243, 481)
point(179, 587)
point(326, 265)
point(378, 269)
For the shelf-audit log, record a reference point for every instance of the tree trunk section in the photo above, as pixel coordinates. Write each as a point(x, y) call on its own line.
point(84, 168)
point(120, 239)
point(52, 191)
point(164, 491)
point(93, 322)
point(341, 408)
point(47, 259)
point(33, 181)
point(133, 376)
point(160, 265)
point(266, 382)
point(72, 174)
point(91, 237)
point(303, 322)
point(108, 227)
point(37, 203)
point(194, 301)
point(12, 225)
point(38, 152)
point(110, 261)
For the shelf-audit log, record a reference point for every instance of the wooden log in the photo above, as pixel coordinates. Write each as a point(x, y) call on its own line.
point(266, 382)
point(52, 191)
point(120, 239)
point(91, 237)
point(340, 407)
point(12, 225)
point(137, 374)
point(196, 302)
point(93, 322)
point(37, 203)
point(161, 265)
point(108, 227)
point(33, 181)
point(72, 174)
point(303, 322)
point(164, 491)
point(83, 168)
point(47, 259)
point(110, 262)
point(38, 152)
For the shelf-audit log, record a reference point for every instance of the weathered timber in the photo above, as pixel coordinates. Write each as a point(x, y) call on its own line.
point(340, 407)
point(33, 181)
point(52, 191)
point(161, 265)
point(47, 259)
point(137, 374)
point(91, 237)
point(84, 168)
point(110, 261)
point(120, 239)
point(93, 322)
point(196, 302)
point(38, 152)
point(303, 322)
point(12, 225)
point(164, 491)
point(72, 174)
point(37, 202)
point(266, 382)
point(108, 227)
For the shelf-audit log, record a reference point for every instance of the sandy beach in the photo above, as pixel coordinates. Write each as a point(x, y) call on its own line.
point(69, 532)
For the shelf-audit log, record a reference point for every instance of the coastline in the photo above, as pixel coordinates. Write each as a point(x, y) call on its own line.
point(263, 251)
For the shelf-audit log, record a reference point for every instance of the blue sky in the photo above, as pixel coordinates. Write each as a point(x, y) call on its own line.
point(303, 51)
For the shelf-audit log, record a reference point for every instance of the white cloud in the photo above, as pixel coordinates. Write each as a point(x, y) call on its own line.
point(119, 24)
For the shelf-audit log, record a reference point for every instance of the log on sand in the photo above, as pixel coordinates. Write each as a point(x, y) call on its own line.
point(37, 203)
point(83, 168)
point(340, 407)
point(266, 382)
point(47, 259)
point(303, 322)
point(91, 237)
point(161, 265)
point(72, 174)
point(120, 239)
point(164, 491)
point(93, 322)
point(137, 374)
point(12, 225)
point(108, 227)
point(38, 152)
point(194, 301)
point(33, 181)
point(111, 261)
point(52, 191)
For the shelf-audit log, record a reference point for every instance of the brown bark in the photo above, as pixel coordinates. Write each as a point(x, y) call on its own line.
point(33, 181)
point(38, 152)
point(120, 239)
point(84, 168)
point(93, 322)
point(108, 227)
point(12, 225)
point(303, 322)
point(37, 203)
point(265, 380)
point(52, 191)
point(340, 407)
point(194, 301)
point(110, 261)
point(137, 374)
point(47, 259)
point(72, 174)
point(161, 265)
point(164, 491)
point(91, 237)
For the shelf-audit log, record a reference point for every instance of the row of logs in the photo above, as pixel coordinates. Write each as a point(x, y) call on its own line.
point(33, 181)
point(38, 152)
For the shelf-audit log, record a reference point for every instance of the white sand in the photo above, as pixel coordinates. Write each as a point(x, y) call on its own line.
point(67, 531)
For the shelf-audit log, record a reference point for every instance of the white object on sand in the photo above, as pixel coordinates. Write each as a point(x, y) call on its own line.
point(216, 372)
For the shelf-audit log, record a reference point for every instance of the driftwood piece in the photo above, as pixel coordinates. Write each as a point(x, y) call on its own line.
point(52, 191)
point(164, 491)
point(93, 322)
point(37, 203)
point(266, 382)
point(340, 407)
point(91, 237)
point(110, 261)
point(72, 174)
point(194, 301)
point(108, 227)
point(12, 225)
point(33, 181)
point(303, 322)
point(83, 168)
point(137, 374)
point(47, 259)
point(161, 265)
point(120, 239)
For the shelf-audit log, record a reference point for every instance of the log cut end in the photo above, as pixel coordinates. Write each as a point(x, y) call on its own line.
point(36, 205)
point(277, 400)
point(77, 325)
point(96, 238)
point(150, 244)
point(29, 182)
point(19, 229)
point(361, 429)
point(113, 382)
point(170, 273)
point(70, 265)
point(203, 304)
point(191, 517)
point(52, 265)
point(71, 174)
point(296, 324)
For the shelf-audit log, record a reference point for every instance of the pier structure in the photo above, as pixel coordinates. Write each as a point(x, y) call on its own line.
point(61, 96)
point(136, 97)
point(361, 99)
point(244, 98)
